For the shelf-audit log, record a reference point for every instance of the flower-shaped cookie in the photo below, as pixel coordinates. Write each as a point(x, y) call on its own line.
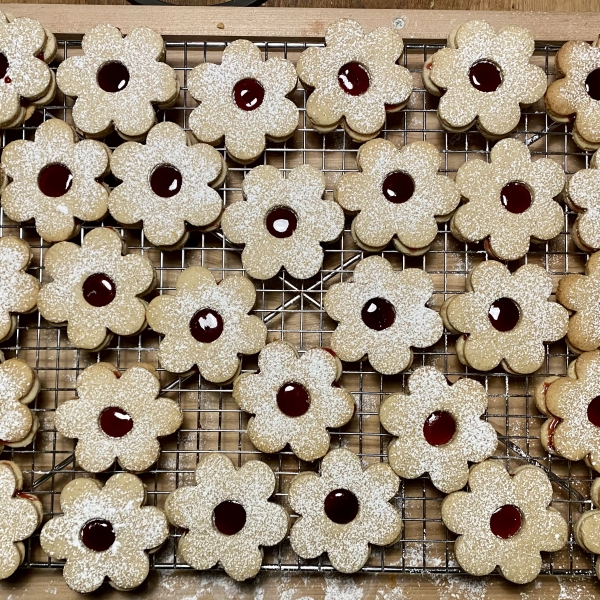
point(117, 81)
point(484, 77)
point(505, 317)
point(575, 95)
point(20, 516)
point(207, 324)
point(398, 195)
point(282, 222)
point(504, 521)
point(18, 290)
point(587, 528)
point(166, 183)
point(509, 200)
point(96, 288)
point(355, 79)
point(343, 510)
point(382, 313)
point(294, 400)
point(105, 531)
point(438, 428)
point(227, 516)
point(54, 180)
point(243, 100)
point(117, 415)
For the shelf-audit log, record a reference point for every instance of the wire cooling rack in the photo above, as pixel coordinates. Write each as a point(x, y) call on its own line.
point(293, 311)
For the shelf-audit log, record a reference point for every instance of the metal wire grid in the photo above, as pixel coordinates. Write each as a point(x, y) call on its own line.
point(293, 310)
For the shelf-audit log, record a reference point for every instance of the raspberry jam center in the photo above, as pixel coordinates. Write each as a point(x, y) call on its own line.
point(229, 517)
point(515, 197)
point(113, 76)
point(506, 521)
point(248, 94)
point(398, 187)
point(593, 411)
point(55, 180)
point(98, 535)
point(165, 181)
point(341, 506)
point(353, 79)
point(99, 290)
point(3, 66)
point(592, 84)
point(439, 428)
point(504, 314)
point(206, 325)
point(485, 76)
point(378, 314)
point(293, 399)
point(281, 222)
point(115, 422)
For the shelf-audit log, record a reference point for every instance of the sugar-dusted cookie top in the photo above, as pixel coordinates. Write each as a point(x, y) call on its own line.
point(283, 221)
point(118, 81)
point(55, 180)
point(227, 516)
point(587, 528)
point(244, 100)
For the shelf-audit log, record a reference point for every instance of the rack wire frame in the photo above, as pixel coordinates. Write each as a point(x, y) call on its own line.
point(293, 311)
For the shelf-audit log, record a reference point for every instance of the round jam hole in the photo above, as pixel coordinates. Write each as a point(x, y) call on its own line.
point(99, 290)
point(485, 76)
point(592, 84)
point(506, 521)
point(293, 399)
point(341, 506)
point(3, 65)
point(515, 197)
point(115, 422)
point(165, 181)
point(113, 77)
point(353, 79)
point(206, 325)
point(398, 187)
point(98, 535)
point(378, 314)
point(439, 428)
point(229, 517)
point(593, 411)
point(281, 222)
point(248, 94)
point(504, 314)
point(55, 180)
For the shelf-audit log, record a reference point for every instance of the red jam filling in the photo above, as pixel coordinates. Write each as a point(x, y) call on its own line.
point(353, 79)
point(281, 222)
point(165, 181)
point(592, 84)
point(99, 290)
point(3, 66)
point(229, 517)
point(398, 187)
point(98, 535)
point(293, 399)
point(378, 314)
point(55, 180)
point(515, 197)
point(504, 314)
point(506, 521)
point(113, 77)
point(341, 506)
point(248, 94)
point(439, 428)
point(485, 76)
point(206, 325)
point(115, 422)
point(593, 411)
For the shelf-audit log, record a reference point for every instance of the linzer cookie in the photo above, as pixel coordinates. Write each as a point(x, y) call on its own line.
point(55, 180)
point(244, 100)
point(282, 222)
point(509, 201)
point(294, 400)
point(96, 288)
point(355, 79)
point(105, 531)
point(484, 77)
point(505, 318)
point(504, 521)
point(575, 95)
point(438, 428)
point(343, 510)
point(397, 195)
point(207, 324)
point(167, 183)
point(118, 82)
point(117, 415)
point(227, 516)
point(587, 528)
point(381, 314)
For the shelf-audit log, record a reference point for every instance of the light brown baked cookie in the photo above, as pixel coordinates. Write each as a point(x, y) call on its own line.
point(587, 529)
point(105, 531)
point(118, 82)
point(117, 416)
point(227, 516)
point(509, 201)
point(505, 318)
point(484, 78)
point(438, 428)
point(382, 313)
point(54, 180)
point(96, 288)
point(282, 222)
point(504, 521)
point(207, 324)
point(355, 79)
point(343, 510)
point(397, 195)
